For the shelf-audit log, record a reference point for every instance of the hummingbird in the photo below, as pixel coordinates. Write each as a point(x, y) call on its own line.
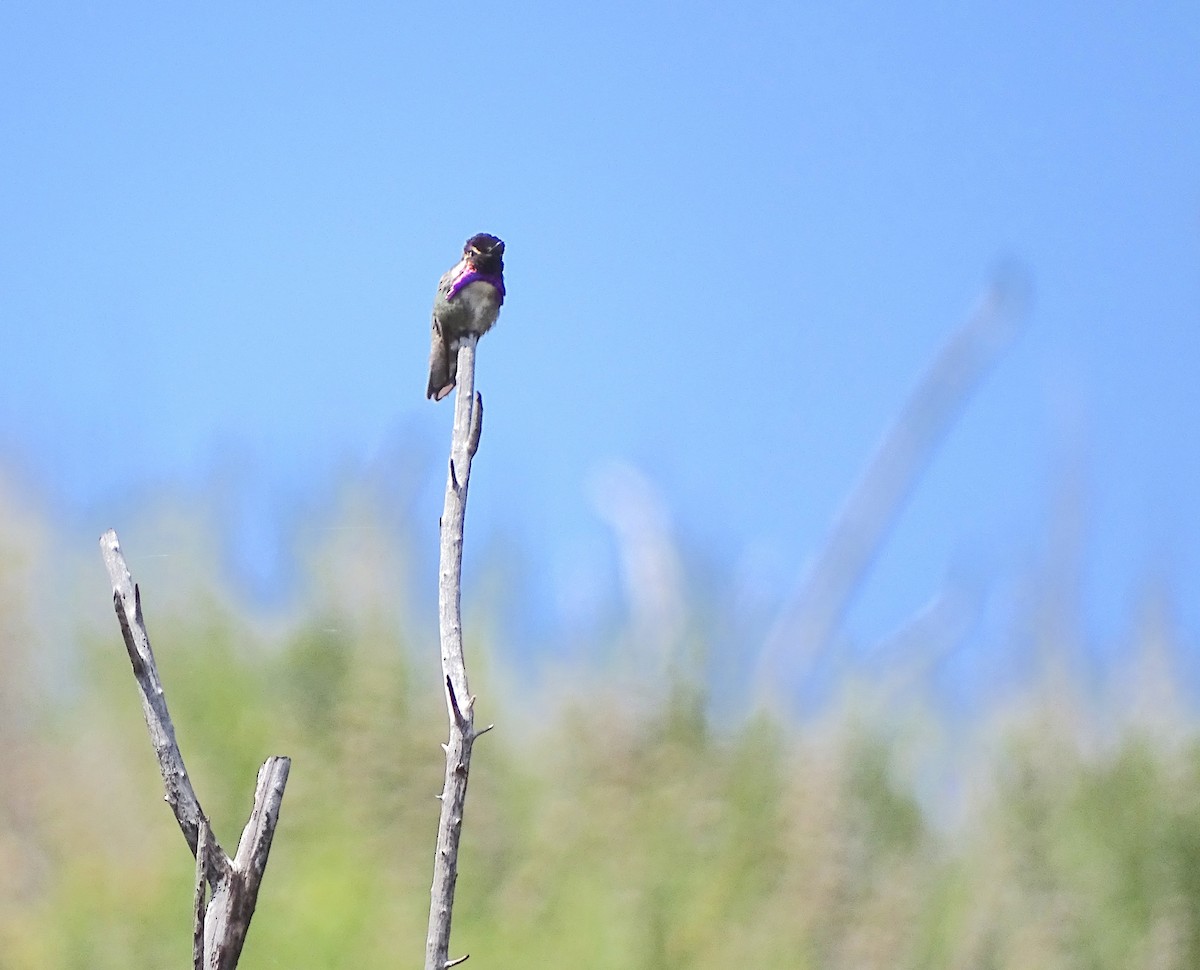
point(468, 300)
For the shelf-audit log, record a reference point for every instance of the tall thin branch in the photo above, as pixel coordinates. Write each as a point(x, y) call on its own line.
point(127, 601)
point(235, 881)
point(809, 620)
point(468, 424)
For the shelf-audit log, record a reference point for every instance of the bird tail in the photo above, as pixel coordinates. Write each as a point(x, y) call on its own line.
point(441, 380)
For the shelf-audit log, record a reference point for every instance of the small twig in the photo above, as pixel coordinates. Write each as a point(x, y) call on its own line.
point(468, 424)
point(455, 711)
point(222, 924)
point(476, 430)
point(454, 963)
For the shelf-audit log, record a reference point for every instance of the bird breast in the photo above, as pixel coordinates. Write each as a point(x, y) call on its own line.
point(476, 307)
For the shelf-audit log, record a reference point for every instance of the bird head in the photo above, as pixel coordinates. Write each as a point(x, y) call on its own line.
point(485, 253)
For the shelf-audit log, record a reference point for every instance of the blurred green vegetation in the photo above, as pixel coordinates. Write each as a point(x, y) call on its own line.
point(607, 826)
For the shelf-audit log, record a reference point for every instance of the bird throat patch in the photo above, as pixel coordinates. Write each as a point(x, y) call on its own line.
point(474, 276)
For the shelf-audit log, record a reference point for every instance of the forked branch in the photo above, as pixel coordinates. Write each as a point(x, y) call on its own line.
point(221, 926)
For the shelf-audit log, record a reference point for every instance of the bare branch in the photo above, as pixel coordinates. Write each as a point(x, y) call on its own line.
point(232, 905)
point(468, 423)
point(221, 926)
point(179, 792)
point(811, 617)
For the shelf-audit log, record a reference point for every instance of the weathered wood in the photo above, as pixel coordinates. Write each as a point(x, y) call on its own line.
point(203, 844)
point(127, 601)
point(460, 703)
point(217, 944)
point(227, 919)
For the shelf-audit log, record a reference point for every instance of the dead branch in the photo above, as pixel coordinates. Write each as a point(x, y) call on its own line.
point(812, 615)
point(233, 882)
point(460, 704)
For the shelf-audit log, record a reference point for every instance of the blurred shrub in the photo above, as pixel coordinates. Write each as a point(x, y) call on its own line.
point(618, 831)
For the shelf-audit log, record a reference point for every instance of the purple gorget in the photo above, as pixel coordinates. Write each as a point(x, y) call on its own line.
point(474, 276)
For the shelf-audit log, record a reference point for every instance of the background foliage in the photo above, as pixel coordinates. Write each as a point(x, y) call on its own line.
point(613, 820)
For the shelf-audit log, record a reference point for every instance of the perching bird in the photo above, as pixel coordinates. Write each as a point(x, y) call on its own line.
point(468, 301)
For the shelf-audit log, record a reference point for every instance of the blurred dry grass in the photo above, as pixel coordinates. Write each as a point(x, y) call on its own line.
point(619, 827)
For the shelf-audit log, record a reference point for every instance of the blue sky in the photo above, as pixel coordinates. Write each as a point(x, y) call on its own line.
point(737, 233)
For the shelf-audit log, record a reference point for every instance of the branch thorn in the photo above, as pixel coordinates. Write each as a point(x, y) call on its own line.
point(476, 425)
